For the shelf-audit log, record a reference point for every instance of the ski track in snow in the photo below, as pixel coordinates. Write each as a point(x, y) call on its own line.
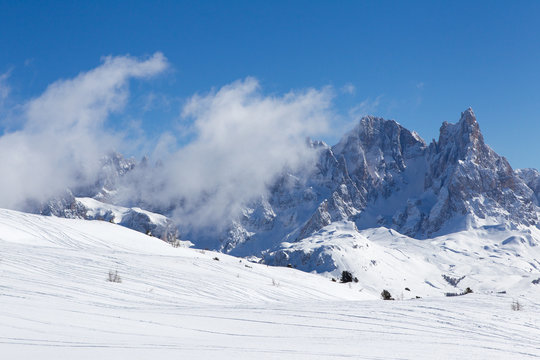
point(55, 303)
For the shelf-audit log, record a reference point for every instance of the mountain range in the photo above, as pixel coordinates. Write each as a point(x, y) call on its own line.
point(379, 178)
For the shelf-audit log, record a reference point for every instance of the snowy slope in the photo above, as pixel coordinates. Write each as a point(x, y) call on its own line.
point(488, 259)
point(55, 303)
point(69, 250)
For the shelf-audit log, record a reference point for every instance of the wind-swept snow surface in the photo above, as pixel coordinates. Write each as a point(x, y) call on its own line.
point(56, 302)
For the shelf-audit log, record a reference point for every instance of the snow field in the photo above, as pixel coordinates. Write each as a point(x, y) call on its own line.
point(55, 302)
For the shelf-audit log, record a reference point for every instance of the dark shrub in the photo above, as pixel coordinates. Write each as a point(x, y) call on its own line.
point(346, 276)
point(385, 295)
point(452, 280)
point(467, 291)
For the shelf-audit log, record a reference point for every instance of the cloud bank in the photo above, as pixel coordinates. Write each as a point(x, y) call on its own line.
point(241, 140)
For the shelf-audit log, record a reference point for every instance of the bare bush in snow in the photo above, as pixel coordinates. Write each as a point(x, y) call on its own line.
point(114, 277)
point(516, 305)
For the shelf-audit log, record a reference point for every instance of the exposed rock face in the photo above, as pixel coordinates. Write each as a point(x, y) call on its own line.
point(377, 152)
point(65, 206)
point(531, 177)
point(470, 178)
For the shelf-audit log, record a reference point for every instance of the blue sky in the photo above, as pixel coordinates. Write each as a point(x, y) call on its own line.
point(420, 63)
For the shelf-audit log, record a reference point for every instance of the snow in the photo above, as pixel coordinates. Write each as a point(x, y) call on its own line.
point(97, 209)
point(492, 259)
point(134, 218)
point(172, 302)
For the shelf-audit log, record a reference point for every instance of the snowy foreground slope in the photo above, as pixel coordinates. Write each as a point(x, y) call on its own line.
point(55, 303)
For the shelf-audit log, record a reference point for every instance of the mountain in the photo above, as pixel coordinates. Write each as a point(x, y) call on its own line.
point(379, 175)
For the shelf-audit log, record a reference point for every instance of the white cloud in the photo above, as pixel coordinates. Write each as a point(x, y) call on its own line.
point(243, 140)
point(86, 100)
point(63, 138)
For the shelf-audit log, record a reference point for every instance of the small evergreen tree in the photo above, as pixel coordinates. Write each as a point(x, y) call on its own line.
point(346, 276)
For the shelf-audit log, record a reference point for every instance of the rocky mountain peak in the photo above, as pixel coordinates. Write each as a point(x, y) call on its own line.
point(462, 143)
point(469, 178)
point(469, 128)
point(377, 147)
point(463, 136)
point(374, 131)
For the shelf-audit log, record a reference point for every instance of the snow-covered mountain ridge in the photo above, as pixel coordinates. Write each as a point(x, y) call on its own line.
point(379, 175)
